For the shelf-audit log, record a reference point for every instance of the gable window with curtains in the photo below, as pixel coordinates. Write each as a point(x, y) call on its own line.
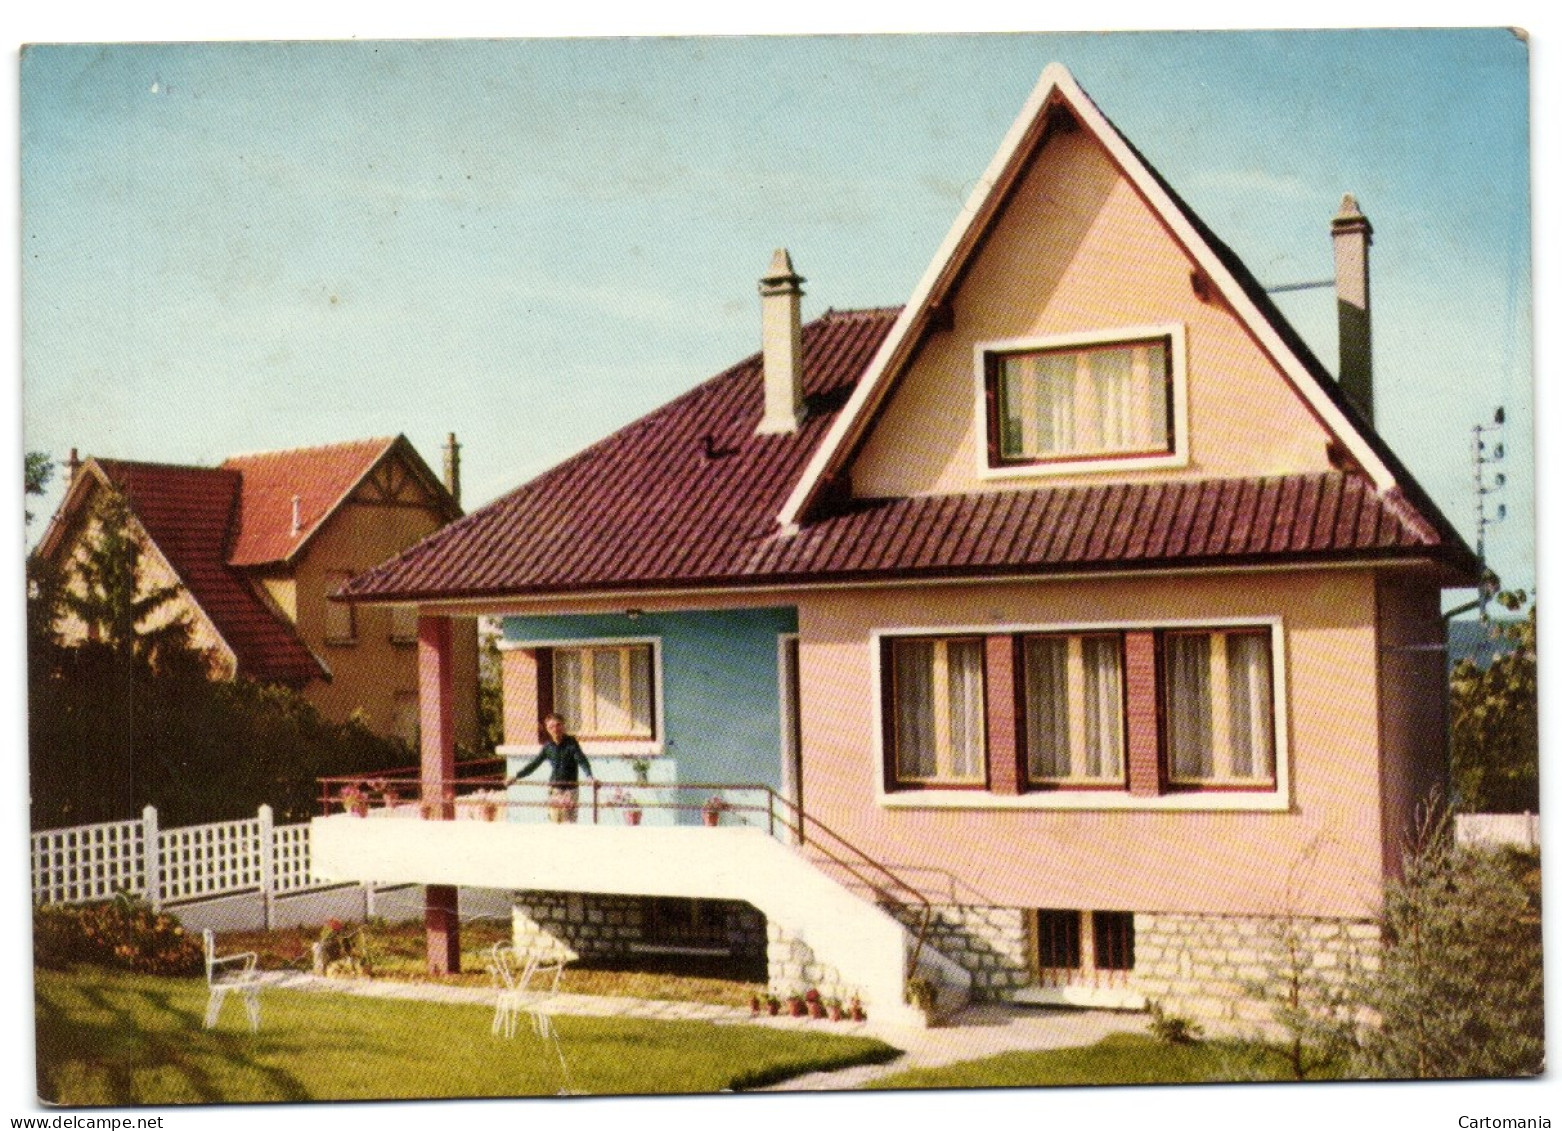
point(1112, 399)
point(605, 692)
point(1219, 703)
point(937, 711)
point(1073, 687)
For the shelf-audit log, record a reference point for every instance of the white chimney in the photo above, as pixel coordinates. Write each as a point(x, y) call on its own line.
point(1352, 294)
point(298, 524)
point(780, 304)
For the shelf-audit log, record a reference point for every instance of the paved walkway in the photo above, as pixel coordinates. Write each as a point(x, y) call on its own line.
point(975, 1032)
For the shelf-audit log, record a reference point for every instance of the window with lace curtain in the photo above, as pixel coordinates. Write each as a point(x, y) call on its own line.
point(937, 713)
point(1218, 692)
point(1073, 687)
point(1090, 401)
point(605, 692)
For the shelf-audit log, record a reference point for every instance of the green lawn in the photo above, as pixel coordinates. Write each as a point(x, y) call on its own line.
point(1123, 1058)
point(122, 1039)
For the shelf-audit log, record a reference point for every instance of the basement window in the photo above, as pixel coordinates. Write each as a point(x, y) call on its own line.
point(1083, 948)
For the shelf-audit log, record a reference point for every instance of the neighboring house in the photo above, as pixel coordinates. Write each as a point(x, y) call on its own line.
point(258, 544)
point(1075, 594)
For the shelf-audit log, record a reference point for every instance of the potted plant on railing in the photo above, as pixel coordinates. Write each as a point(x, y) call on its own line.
point(715, 806)
point(858, 1013)
point(796, 1005)
point(628, 802)
point(833, 1010)
point(772, 1004)
point(357, 796)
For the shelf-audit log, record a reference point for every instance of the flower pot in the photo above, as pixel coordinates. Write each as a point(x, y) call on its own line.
point(798, 1008)
point(359, 808)
point(815, 1010)
point(836, 1014)
point(711, 819)
point(753, 1005)
point(631, 816)
point(773, 1007)
point(859, 1013)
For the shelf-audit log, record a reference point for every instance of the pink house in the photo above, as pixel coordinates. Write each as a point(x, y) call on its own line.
point(1053, 637)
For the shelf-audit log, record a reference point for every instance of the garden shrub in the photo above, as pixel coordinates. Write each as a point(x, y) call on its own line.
point(123, 934)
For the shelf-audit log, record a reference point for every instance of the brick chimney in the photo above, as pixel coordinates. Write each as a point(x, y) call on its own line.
point(780, 304)
point(1352, 294)
point(453, 467)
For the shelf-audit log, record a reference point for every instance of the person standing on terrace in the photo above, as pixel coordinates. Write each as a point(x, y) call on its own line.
point(566, 760)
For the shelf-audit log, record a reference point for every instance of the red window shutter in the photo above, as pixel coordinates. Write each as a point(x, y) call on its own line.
point(1146, 777)
point(1004, 773)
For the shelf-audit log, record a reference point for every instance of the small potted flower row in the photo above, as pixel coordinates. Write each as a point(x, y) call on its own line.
point(809, 1003)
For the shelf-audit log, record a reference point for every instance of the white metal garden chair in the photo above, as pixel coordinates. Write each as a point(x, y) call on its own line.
point(517, 994)
point(231, 973)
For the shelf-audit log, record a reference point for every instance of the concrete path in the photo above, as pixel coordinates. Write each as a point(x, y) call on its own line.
point(976, 1032)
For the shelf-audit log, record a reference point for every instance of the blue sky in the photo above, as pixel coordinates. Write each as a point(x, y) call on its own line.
point(236, 247)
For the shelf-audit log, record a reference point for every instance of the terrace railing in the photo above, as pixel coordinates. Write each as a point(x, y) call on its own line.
point(476, 792)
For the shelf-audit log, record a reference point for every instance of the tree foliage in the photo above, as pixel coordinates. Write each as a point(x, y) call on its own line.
point(490, 693)
point(129, 717)
point(37, 470)
point(1458, 992)
point(1494, 727)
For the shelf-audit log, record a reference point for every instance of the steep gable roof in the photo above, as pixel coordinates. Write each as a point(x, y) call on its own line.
point(322, 479)
point(186, 512)
point(1057, 102)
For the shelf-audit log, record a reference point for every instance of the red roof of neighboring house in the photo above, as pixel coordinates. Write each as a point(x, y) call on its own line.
point(187, 512)
point(688, 496)
point(319, 477)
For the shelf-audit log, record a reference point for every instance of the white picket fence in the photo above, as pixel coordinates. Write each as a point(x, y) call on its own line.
point(230, 875)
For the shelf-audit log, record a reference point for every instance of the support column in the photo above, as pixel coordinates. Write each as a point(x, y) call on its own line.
point(436, 716)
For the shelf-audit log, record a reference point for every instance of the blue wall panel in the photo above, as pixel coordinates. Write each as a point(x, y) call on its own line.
point(720, 683)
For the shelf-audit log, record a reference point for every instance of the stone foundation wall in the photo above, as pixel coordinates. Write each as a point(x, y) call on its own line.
point(793, 967)
point(1206, 967)
point(1210, 967)
point(582, 925)
point(991, 943)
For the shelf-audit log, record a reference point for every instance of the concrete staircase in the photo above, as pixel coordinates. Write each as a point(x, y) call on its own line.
point(840, 933)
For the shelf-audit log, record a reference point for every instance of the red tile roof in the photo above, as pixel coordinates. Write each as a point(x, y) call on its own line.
point(319, 477)
point(688, 496)
point(187, 512)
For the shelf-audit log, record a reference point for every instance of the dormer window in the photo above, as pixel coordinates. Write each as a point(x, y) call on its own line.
point(1084, 402)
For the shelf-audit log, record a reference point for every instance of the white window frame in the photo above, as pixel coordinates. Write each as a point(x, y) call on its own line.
point(1113, 797)
point(656, 744)
point(945, 776)
point(1221, 776)
point(1174, 332)
point(1078, 754)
